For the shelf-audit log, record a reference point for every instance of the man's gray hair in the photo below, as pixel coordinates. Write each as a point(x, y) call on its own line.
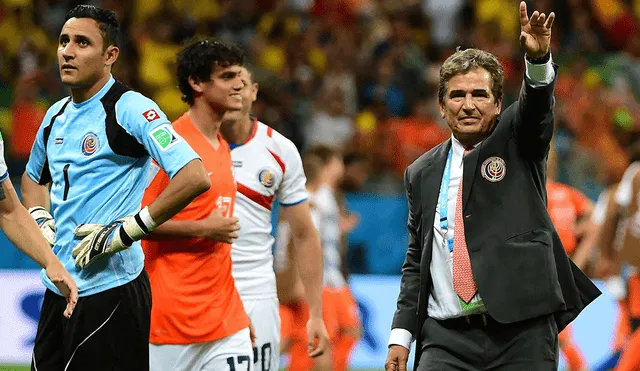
point(463, 61)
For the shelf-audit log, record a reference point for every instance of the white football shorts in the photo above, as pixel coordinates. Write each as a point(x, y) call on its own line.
point(232, 353)
point(265, 317)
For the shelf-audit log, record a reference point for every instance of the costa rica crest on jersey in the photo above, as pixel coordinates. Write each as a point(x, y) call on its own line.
point(90, 144)
point(266, 177)
point(494, 169)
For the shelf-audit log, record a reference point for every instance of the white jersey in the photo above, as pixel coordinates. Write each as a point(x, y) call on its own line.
point(267, 166)
point(624, 192)
point(325, 213)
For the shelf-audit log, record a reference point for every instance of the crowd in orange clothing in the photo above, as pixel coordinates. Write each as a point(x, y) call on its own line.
point(358, 73)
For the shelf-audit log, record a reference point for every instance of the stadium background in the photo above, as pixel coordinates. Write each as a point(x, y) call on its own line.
point(360, 74)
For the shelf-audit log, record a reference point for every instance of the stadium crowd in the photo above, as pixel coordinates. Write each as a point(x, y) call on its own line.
point(361, 74)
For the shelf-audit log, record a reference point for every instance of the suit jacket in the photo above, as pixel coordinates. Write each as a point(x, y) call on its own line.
point(518, 262)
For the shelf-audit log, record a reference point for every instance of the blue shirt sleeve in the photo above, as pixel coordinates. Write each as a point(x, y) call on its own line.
point(37, 159)
point(142, 118)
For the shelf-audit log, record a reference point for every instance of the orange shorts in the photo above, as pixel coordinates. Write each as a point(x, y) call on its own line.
point(293, 321)
point(340, 310)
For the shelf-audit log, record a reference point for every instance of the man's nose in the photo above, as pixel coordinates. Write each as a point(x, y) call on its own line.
point(468, 104)
point(68, 52)
point(238, 85)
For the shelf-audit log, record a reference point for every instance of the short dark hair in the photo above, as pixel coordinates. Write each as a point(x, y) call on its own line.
point(251, 69)
point(463, 61)
point(106, 19)
point(199, 59)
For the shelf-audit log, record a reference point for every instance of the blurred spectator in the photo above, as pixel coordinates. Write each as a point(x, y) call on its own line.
point(23, 44)
point(356, 73)
point(408, 138)
point(383, 86)
point(27, 114)
point(330, 125)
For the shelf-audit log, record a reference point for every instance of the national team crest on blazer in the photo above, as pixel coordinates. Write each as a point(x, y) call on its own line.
point(494, 169)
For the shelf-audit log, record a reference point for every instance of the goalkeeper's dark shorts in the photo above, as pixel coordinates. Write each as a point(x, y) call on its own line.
point(107, 331)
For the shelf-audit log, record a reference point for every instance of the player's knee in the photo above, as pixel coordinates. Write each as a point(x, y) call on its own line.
point(323, 362)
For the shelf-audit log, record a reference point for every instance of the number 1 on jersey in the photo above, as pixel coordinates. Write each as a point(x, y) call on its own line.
point(66, 181)
point(241, 359)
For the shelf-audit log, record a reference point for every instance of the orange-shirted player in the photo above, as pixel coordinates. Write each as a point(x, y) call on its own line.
point(570, 212)
point(294, 311)
point(198, 320)
point(339, 308)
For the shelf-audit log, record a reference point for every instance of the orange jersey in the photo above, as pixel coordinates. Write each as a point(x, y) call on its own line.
point(194, 295)
point(565, 205)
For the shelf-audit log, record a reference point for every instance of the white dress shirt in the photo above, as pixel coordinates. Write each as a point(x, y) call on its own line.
point(443, 301)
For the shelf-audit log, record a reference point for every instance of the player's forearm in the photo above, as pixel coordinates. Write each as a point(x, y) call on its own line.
point(586, 246)
point(34, 194)
point(186, 185)
point(21, 229)
point(178, 229)
point(309, 260)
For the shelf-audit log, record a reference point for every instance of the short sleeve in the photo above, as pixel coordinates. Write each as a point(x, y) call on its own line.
point(142, 118)
point(38, 158)
point(292, 190)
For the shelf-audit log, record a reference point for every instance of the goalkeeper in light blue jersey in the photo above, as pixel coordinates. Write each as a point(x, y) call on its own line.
point(90, 163)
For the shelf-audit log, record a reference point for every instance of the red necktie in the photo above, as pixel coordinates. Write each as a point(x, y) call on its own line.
point(463, 282)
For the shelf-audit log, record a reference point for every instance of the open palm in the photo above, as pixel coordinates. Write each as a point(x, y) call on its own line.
point(535, 32)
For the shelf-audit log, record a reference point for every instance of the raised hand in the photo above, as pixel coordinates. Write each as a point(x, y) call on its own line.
point(535, 32)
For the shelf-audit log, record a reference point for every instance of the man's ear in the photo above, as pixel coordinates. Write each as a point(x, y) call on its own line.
point(111, 55)
point(442, 109)
point(254, 91)
point(498, 106)
point(195, 85)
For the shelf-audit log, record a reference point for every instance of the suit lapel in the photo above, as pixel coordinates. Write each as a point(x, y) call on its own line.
point(431, 181)
point(469, 172)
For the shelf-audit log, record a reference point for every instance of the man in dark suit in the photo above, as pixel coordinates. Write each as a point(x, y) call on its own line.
point(486, 284)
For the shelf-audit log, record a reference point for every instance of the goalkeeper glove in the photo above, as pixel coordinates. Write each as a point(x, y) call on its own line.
point(99, 240)
point(45, 222)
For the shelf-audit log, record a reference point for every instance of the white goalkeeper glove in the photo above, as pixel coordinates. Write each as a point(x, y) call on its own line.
point(101, 239)
point(45, 222)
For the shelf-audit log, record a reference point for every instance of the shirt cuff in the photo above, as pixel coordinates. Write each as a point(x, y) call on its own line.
point(400, 336)
point(540, 74)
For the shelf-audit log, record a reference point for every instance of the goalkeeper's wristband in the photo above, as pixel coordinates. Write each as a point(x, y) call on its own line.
point(136, 227)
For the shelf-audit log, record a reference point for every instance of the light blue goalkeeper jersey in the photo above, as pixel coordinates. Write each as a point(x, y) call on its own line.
point(96, 155)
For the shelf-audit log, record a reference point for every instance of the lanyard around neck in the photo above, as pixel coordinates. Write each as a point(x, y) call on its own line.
point(444, 192)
